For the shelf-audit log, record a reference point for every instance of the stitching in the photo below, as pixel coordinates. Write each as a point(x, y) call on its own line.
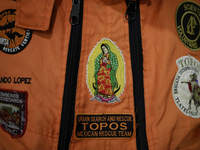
point(19, 11)
point(43, 17)
point(155, 140)
point(150, 134)
point(23, 144)
point(38, 13)
point(84, 40)
point(44, 132)
point(128, 78)
point(38, 128)
point(2, 146)
point(171, 132)
point(50, 134)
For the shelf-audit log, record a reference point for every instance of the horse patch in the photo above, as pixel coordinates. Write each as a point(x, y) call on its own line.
point(12, 39)
point(106, 72)
point(186, 86)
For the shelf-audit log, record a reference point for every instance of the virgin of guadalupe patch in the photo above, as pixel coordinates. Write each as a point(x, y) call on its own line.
point(106, 72)
point(12, 39)
point(188, 24)
point(186, 86)
point(13, 112)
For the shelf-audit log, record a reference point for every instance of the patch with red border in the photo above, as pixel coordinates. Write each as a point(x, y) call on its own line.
point(13, 112)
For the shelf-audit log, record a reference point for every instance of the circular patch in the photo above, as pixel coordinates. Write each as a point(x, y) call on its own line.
point(188, 24)
point(12, 39)
point(186, 89)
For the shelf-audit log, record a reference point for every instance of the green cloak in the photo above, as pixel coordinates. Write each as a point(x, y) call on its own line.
point(113, 66)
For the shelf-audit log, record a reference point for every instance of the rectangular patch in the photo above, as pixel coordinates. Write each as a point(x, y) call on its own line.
point(104, 125)
point(13, 112)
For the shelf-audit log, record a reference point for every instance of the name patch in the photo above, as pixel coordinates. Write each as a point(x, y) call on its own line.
point(15, 80)
point(104, 126)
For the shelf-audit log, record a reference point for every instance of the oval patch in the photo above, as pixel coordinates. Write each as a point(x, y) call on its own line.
point(106, 72)
point(186, 88)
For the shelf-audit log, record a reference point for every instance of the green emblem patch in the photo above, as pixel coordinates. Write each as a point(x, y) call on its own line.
point(188, 24)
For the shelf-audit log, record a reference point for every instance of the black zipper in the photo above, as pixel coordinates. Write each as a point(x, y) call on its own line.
point(74, 50)
point(73, 58)
point(133, 17)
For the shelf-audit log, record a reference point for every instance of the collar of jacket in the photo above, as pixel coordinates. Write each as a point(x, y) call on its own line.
point(34, 14)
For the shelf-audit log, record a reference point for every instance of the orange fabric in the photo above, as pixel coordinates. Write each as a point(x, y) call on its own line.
point(104, 19)
point(167, 126)
point(34, 14)
point(44, 61)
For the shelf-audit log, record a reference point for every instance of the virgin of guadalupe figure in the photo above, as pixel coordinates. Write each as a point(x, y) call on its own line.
point(106, 84)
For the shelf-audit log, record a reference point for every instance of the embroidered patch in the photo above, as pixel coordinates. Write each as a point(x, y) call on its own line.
point(12, 39)
point(13, 112)
point(104, 125)
point(188, 24)
point(186, 89)
point(106, 72)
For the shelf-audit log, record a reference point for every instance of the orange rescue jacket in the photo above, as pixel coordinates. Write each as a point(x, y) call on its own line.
point(100, 74)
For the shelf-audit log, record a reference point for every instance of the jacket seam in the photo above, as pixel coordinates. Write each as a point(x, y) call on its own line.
point(50, 133)
point(145, 78)
point(171, 132)
point(43, 18)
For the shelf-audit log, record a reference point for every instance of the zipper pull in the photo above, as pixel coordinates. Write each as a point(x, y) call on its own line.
point(74, 17)
point(131, 10)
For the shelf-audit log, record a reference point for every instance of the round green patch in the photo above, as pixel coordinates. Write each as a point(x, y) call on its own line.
point(188, 24)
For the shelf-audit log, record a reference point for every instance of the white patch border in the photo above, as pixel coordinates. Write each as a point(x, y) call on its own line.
point(178, 103)
point(123, 62)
